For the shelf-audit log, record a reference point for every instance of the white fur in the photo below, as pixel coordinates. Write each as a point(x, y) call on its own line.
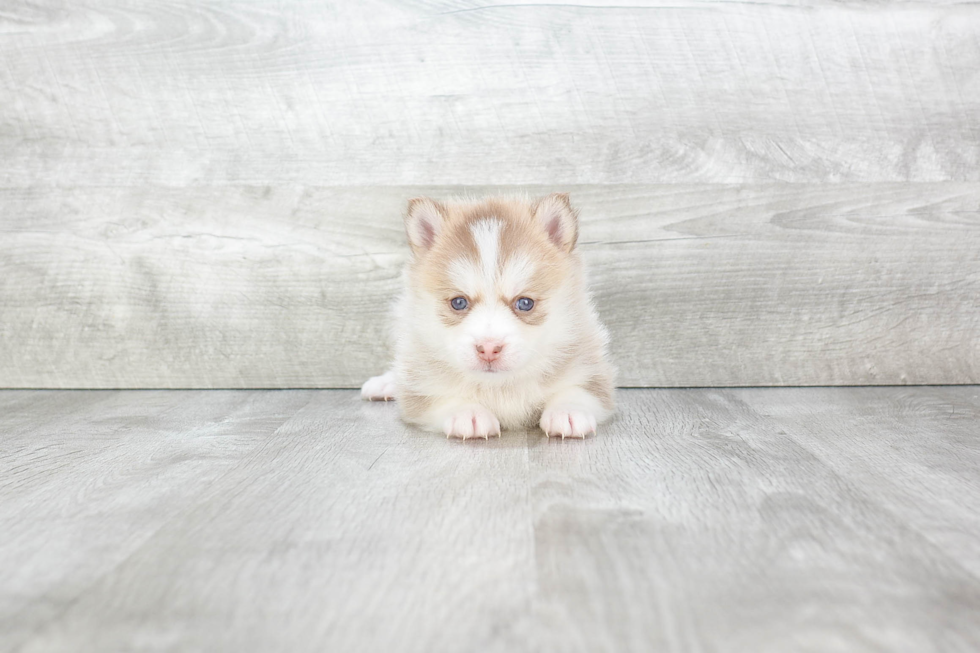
point(473, 421)
point(486, 233)
point(379, 388)
point(517, 271)
point(571, 413)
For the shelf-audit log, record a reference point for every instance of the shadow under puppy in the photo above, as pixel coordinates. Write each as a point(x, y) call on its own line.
point(495, 327)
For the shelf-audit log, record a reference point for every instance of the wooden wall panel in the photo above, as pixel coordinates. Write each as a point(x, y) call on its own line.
point(373, 93)
point(242, 286)
point(206, 194)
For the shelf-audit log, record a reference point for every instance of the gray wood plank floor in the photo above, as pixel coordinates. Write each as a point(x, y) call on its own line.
point(793, 519)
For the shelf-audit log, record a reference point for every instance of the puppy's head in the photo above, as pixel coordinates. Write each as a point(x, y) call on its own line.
point(493, 281)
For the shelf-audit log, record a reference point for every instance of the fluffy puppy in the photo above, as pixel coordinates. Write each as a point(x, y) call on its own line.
point(495, 328)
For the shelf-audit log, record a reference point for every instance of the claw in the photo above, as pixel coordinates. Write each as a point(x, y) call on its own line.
point(470, 423)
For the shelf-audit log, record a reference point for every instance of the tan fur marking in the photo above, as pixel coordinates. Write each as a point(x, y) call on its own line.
point(600, 387)
point(523, 236)
point(519, 233)
point(535, 316)
point(414, 406)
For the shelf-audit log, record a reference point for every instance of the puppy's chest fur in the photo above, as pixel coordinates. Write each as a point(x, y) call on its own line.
point(516, 404)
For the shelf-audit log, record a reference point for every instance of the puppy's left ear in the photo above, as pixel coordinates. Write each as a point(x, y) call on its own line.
point(558, 219)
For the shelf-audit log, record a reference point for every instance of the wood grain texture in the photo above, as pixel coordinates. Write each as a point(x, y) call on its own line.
point(311, 92)
point(713, 520)
point(76, 503)
point(925, 482)
point(697, 523)
point(700, 285)
point(205, 194)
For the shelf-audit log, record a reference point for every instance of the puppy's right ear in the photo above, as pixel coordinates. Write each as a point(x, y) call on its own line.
point(423, 222)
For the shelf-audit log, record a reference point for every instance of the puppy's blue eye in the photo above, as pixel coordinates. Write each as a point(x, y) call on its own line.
point(525, 304)
point(458, 303)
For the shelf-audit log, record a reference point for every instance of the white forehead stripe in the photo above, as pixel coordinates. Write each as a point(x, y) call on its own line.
point(486, 233)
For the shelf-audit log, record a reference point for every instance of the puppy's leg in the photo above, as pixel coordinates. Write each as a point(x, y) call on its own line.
point(467, 421)
point(379, 388)
point(573, 413)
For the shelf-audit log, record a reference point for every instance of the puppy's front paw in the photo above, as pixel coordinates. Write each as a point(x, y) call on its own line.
point(567, 422)
point(379, 388)
point(471, 422)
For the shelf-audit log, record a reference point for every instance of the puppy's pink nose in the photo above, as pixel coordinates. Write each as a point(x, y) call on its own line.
point(489, 350)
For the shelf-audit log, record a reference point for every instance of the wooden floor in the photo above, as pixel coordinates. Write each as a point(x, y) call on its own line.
point(794, 519)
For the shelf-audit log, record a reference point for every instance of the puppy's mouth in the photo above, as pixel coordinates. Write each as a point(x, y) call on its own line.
point(490, 368)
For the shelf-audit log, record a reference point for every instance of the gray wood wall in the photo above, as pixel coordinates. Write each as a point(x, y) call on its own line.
point(208, 194)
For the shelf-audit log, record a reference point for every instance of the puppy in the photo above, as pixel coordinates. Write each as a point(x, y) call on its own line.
point(495, 328)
